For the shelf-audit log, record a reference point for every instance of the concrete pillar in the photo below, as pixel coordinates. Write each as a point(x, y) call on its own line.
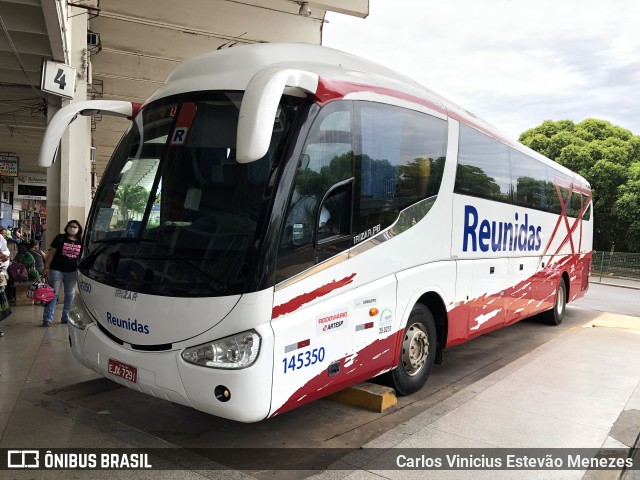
point(53, 193)
point(70, 182)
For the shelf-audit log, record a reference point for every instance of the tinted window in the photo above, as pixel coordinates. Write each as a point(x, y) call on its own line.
point(483, 166)
point(587, 213)
point(574, 205)
point(326, 159)
point(489, 169)
point(175, 214)
point(555, 194)
point(530, 181)
point(558, 188)
point(401, 161)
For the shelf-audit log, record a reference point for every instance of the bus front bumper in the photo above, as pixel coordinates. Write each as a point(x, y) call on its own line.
point(165, 375)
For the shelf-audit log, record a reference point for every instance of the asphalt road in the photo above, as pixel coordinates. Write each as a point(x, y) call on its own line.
point(606, 298)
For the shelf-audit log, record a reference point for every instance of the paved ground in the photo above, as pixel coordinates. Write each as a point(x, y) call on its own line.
point(580, 390)
point(614, 295)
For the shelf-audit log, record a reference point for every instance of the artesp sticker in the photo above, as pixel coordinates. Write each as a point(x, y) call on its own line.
point(332, 322)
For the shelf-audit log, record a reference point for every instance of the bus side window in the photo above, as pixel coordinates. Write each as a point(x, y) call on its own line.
point(529, 179)
point(587, 213)
point(484, 167)
point(400, 162)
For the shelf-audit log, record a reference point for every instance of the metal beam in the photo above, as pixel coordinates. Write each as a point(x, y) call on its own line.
point(125, 64)
point(17, 76)
point(27, 43)
point(32, 63)
point(56, 23)
point(356, 8)
point(33, 123)
point(21, 2)
point(23, 18)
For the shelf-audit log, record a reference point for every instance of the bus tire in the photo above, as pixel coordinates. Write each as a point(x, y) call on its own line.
point(417, 352)
point(556, 314)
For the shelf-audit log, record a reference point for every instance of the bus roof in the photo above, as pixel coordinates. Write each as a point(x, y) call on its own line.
point(233, 68)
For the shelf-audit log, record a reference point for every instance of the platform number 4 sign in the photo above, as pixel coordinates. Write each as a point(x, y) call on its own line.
point(58, 79)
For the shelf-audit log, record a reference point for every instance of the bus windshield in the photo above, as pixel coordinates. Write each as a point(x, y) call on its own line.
point(175, 214)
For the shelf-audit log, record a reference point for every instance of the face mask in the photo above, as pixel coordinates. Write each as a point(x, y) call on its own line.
point(72, 230)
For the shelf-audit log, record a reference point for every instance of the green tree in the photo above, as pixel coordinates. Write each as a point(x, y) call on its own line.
point(576, 157)
point(561, 140)
point(131, 199)
point(608, 156)
point(472, 179)
point(340, 168)
point(627, 206)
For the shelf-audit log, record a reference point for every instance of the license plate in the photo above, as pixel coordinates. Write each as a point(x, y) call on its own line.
point(123, 370)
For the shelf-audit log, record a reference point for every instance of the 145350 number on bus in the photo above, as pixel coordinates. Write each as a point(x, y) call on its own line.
point(303, 359)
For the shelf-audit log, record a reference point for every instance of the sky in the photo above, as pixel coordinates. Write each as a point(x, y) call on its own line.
point(514, 63)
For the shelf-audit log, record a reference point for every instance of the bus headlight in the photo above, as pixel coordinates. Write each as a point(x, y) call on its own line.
point(78, 314)
point(236, 351)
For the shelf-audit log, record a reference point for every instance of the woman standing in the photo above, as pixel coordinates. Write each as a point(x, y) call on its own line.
point(61, 265)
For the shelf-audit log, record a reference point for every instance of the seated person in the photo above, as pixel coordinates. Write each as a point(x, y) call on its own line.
point(19, 257)
point(299, 226)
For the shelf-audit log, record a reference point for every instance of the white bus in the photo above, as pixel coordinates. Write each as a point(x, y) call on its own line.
point(281, 221)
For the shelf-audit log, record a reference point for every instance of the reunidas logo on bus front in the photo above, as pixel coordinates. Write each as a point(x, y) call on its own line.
point(127, 324)
point(499, 236)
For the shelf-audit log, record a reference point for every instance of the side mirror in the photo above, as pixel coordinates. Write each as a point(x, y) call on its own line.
point(68, 114)
point(260, 105)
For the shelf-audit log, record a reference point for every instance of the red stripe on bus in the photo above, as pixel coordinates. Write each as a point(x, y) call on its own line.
point(539, 295)
point(375, 357)
point(296, 302)
point(329, 89)
point(135, 108)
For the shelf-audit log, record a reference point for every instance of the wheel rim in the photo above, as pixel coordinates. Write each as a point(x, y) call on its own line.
point(560, 300)
point(415, 349)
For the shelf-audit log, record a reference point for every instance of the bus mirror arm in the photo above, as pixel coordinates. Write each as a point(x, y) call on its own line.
point(260, 106)
point(67, 114)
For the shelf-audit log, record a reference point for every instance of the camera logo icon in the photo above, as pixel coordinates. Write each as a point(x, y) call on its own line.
point(23, 458)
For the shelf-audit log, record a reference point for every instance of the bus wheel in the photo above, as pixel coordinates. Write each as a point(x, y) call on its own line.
point(418, 352)
point(556, 314)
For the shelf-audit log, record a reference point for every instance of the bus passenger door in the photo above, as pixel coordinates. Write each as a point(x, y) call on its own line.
point(340, 334)
point(333, 326)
